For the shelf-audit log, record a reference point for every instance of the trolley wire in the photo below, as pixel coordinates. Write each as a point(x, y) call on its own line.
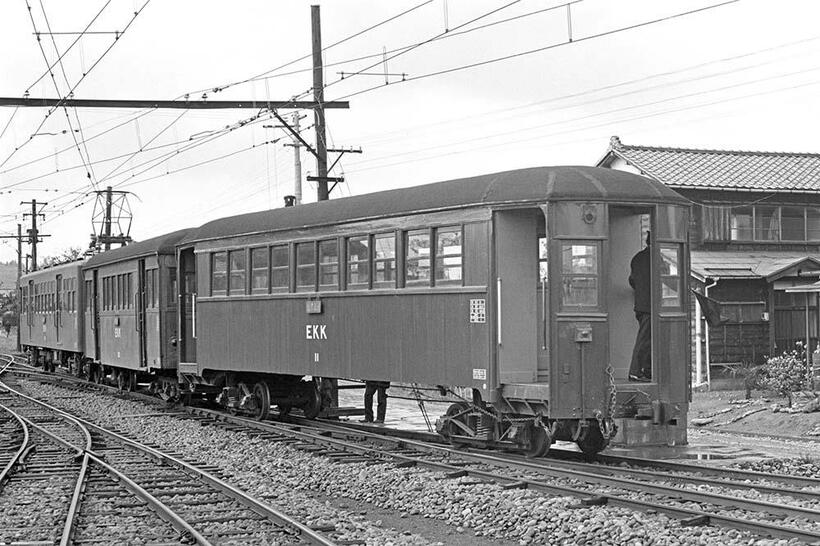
point(79, 81)
point(532, 51)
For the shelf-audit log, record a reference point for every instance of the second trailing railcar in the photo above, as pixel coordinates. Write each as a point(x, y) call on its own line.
point(509, 291)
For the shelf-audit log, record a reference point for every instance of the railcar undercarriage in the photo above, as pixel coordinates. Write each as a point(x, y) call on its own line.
point(254, 394)
point(480, 425)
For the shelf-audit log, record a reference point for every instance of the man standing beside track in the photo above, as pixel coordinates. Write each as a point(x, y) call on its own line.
point(370, 388)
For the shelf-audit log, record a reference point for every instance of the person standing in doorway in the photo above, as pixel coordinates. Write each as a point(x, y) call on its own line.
point(371, 388)
point(639, 279)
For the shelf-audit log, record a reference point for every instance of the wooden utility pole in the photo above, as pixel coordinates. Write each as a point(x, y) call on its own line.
point(19, 297)
point(33, 235)
point(319, 99)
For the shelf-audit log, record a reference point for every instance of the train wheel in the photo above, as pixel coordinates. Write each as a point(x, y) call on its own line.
point(313, 406)
point(539, 442)
point(456, 412)
point(261, 395)
point(593, 441)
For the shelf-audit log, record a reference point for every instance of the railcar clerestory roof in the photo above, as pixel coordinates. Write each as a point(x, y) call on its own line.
point(163, 244)
point(533, 185)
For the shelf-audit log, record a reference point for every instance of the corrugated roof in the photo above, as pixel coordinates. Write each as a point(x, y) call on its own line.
point(537, 184)
point(746, 265)
point(163, 244)
point(685, 168)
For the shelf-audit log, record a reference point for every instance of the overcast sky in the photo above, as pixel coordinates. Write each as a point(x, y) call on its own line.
point(741, 76)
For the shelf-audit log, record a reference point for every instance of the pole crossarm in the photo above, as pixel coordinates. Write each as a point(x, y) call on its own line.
point(294, 133)
point(42, 102)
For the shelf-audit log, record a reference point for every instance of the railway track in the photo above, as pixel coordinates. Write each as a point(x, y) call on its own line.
point(695, 495)
point(121, 489)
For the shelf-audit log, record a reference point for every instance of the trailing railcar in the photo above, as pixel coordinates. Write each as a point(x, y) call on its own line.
point(50, 317)
point(130, 310)
point(509, 291)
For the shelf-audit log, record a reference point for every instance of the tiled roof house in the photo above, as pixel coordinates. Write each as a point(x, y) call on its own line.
point(755, 241)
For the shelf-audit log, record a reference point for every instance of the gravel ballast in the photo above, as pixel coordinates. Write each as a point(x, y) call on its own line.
point(297, 482)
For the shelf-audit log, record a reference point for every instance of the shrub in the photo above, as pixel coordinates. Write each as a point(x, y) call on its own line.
point(786, 373)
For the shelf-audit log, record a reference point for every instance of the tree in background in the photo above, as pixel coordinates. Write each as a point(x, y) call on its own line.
point(787, 373)
point(68, 255)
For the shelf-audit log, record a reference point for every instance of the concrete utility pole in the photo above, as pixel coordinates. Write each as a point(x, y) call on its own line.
point(297, 160)
point(319, 99)
point(19, 275)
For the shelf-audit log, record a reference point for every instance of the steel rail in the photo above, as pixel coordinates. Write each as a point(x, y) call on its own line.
point(688, 515)
point(158, 506)
point(87, 454)
point(240, 496)
point(714, 471)
point(18, 456)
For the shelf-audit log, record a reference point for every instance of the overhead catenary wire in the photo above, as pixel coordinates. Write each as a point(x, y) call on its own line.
point(79, 81)
point(573, 41)
point(219, 88)
point(85, 159)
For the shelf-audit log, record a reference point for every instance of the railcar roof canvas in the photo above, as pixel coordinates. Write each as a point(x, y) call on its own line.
point(533, 185)
point(163, 244)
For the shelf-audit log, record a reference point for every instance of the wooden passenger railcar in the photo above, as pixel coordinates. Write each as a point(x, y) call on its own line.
point(508, 290)
point(50, 320)
point(130, 310)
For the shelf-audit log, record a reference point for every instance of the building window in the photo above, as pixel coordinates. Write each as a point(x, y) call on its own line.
point(670, 275)
point(358, 262)
point(219, 273)
point(579, 269)
point(305, 267)
point(449, 254)
point(767, 223)
point(280, 268)
point(384, 260)
point(793, 223)
point(329, 264)
point(259, 270)
point(417, 257)
point(812, 224)
point(236, 262)
point(742, 221)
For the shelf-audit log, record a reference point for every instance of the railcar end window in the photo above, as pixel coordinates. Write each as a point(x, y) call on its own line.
point(259, 270)
point(579, 268)
point(384, 260)
point(449, 255)
point(219, 273)
point(329, 264)
point(417, 257)
point(129, 290)
point(358, 262)
point(149, 288)
point(237, 272)
point(670, 275)
point(280, 268)
point(305, 267)
point(543, 272)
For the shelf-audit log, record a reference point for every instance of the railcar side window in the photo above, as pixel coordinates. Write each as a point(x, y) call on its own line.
point(129, 290)
point(259, 270)
point(329, 264)
point(219, 273)
point(155, 280)
point(384, 260)
point(280, 268)
point(417, 257)
point(149, 288)
point(670, 275)
point(305, 267)
point(579, 268)
point(449, 252)
point(358, 262)
point(543, 272)
point(237, 272)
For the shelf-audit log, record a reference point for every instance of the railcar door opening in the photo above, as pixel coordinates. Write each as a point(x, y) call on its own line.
point(139, 309)
point(628, 227)
point(187, 296)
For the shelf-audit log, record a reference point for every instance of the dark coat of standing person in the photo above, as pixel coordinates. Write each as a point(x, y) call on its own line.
point(371, 388)
point(639, 279)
